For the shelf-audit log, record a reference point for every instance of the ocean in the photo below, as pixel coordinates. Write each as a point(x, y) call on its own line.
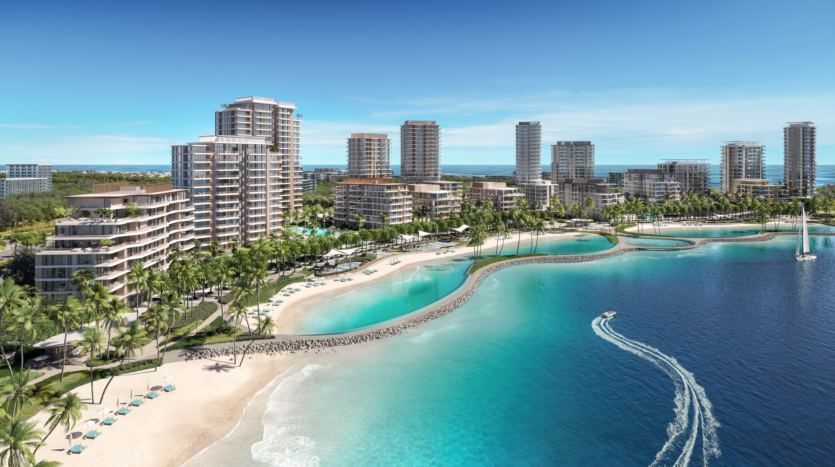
point(826, 173)
point(719, 355)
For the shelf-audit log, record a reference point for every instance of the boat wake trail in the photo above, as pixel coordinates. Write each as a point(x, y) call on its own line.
point(684, 431)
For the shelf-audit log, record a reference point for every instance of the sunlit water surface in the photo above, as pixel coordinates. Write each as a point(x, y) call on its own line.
point(517, 375)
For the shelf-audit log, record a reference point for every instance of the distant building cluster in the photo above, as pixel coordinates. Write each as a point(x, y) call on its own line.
point(26, 178)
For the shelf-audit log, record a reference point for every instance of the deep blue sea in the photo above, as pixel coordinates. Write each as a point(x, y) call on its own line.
point(719, 355)
point(826, 173)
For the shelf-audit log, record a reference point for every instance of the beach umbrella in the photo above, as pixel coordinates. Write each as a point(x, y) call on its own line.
point(103, 412)
point(149, 385)
point(167, 379)
point(117, 401)
point(131, 394)
point(87, 424)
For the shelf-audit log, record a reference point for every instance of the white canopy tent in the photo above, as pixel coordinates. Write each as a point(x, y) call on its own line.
point(407, 238)
point(462, 228)
point(422, 234)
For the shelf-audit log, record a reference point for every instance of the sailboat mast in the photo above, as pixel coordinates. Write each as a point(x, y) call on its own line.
point(805, 234)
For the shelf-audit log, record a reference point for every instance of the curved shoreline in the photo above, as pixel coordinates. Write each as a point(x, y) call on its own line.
point(293, 343)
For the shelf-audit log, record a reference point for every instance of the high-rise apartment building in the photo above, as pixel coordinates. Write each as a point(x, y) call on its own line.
point(26, 178)
point(378, 202)
point(741, 160)
point(572, 159)
point(617, 179)
point(800, 165)
point(369, 155)
point(693, 175)
point(653, 186)
point(420, 151)
point(244, 177)
point(161, 221)
point(528, 152)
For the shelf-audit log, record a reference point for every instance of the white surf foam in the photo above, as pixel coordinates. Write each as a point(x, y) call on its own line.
point(686, 390)
point(279, 447)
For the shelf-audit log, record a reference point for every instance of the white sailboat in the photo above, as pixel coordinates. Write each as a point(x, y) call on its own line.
point(802, 253)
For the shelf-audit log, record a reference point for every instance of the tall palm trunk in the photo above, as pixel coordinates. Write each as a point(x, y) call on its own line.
point(124, 356)
point(2, 349)
point(64, 360)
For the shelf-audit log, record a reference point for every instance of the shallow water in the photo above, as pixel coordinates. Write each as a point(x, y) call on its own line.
point(414, 287)
point(740, 231)
point(518, 375)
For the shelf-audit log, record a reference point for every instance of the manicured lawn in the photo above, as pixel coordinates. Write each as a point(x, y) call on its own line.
point(195, 341)
point(4, 374)
point(489, 261)
point(200, 313)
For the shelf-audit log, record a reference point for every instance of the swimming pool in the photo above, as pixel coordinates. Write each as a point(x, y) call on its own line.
point(657, 242)
point(306, 231)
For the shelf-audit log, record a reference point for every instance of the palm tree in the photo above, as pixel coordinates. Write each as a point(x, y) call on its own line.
point(23, 320)
point(360, 220)
point(258, 277)
point(19, 390)
point(214, 248)
point(155, 319)
point(98, 298)
point(64, 412)
point(128, 342)
point(11, 297)
point(172, 303)
point(113, 315)
point(82, 280)
point(17, 440)
point(93, 339)
point(237, 313)
point(68, 314)
point(539, 228)
point(138, 279)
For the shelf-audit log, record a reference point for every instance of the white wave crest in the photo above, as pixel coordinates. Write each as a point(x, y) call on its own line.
point(686, 390)
point(278, 446)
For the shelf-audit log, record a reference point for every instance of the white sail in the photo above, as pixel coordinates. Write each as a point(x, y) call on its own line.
point(805, 233)
point(799, 236)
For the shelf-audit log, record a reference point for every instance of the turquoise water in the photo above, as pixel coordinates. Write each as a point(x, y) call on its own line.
point(646, 242)
point(412, 287)
point(523, 378)
point(750, 229)
point(406, 290)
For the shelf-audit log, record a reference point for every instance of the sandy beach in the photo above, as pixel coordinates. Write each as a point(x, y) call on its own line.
point(211, 395)
point(167, 431)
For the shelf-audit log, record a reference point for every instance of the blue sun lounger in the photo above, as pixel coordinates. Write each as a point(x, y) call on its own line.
point(123, 411)
point(92, 434)
point(137, 402)
point(109, 421)
point(152, 395)
point(169, 388)
point(77, 449)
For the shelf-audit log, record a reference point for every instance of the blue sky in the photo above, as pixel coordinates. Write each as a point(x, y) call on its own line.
point(119, 82)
